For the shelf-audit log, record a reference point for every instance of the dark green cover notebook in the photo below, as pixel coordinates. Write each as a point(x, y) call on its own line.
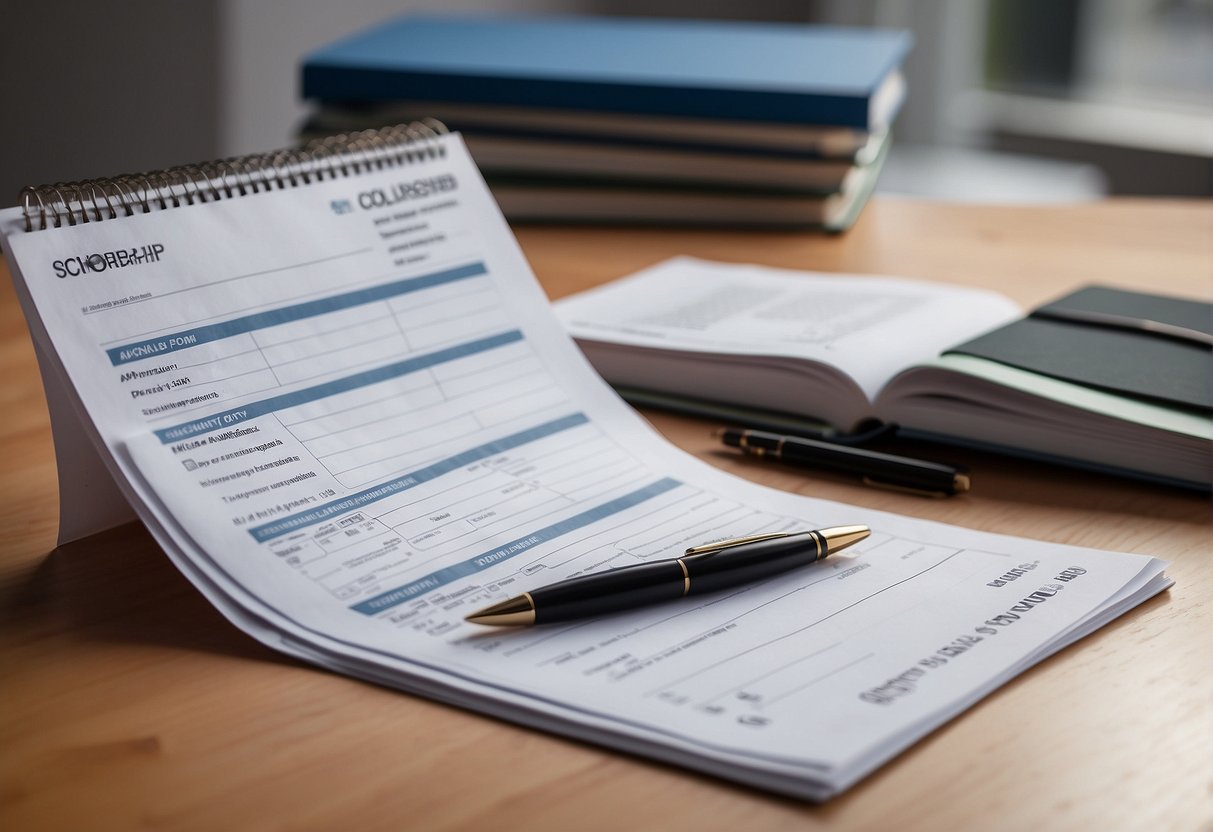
point(1129, 343)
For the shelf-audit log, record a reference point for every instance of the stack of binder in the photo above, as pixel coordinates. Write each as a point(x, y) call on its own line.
point(583, 119)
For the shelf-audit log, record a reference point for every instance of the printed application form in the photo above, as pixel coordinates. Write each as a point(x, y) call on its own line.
point(347, 413)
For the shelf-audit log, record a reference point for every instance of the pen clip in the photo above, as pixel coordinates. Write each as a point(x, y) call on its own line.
point(736, 541)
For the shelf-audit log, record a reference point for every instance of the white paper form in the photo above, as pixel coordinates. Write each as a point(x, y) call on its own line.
point(354, 425)
point(816, 668)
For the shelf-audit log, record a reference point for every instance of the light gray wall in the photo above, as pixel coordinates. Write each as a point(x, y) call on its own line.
point(261, 43)
point(97, 89)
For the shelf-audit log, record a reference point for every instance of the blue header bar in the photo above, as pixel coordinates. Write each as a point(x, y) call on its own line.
point(252, 410)
point(319, 514)
point(464, 569)
point(185, 339)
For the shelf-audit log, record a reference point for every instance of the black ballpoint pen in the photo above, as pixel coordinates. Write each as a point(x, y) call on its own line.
point(886, 470)
point(700, 569)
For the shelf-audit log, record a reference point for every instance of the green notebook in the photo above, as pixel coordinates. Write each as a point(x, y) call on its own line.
point(1149, 347)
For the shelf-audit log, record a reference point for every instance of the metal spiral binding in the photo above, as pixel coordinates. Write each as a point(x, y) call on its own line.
point(341, 155)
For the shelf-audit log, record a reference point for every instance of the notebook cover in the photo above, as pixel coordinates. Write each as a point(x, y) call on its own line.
point(1190, 314)
point(1131, 363)
point(792, 73)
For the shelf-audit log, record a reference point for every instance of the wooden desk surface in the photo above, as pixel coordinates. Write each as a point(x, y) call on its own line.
point(126, 701)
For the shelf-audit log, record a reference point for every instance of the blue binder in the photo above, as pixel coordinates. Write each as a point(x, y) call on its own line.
point(787, 73)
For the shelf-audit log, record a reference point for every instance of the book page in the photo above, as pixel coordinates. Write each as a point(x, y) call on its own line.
point(349, 416)
point(870, 328)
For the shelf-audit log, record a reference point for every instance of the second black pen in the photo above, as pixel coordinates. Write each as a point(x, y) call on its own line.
point(876, 468)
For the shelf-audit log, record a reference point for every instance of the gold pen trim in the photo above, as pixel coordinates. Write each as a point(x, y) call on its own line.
point(518, 611)
point(736, 541)
point(743, 442)
point(817, 541)
point(686, 578)
point(752, 450)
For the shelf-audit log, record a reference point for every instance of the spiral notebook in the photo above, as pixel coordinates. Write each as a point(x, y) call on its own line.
point(327, 382)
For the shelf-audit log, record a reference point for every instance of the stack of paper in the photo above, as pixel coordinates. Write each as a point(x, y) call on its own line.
point(349, 426)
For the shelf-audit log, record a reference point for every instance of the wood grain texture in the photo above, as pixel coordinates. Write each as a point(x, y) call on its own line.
point(127, 702)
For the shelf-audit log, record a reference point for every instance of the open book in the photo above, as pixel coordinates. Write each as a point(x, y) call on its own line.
point(748, 342)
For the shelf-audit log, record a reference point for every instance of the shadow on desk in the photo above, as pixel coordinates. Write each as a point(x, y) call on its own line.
point(118, 586)
point(1017, 484)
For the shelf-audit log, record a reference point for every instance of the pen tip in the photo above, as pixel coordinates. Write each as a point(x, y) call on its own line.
point(840, 537)
point(512, 612)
